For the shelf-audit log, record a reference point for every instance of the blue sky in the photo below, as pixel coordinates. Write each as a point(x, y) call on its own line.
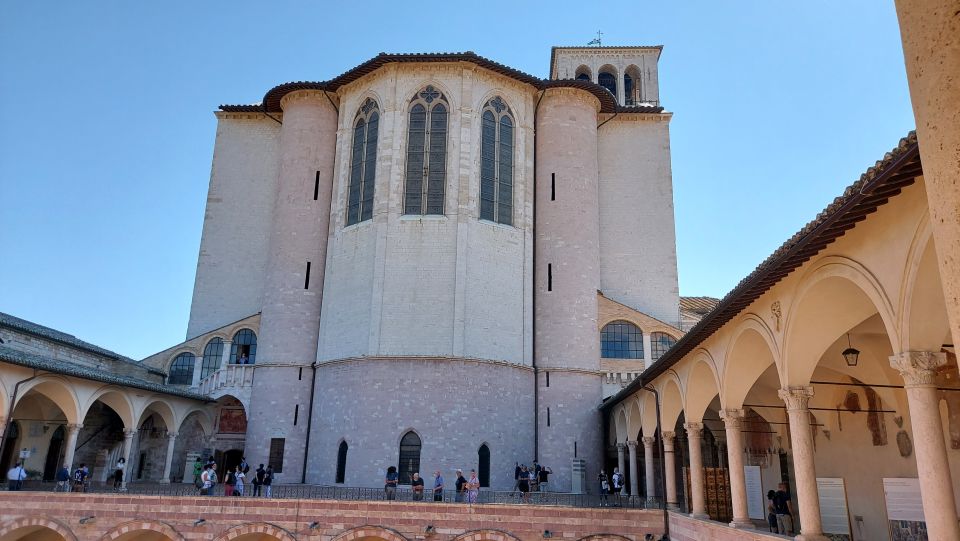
point(107, 126)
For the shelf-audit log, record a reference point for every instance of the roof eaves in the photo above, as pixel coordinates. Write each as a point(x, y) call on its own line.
point(39, 362)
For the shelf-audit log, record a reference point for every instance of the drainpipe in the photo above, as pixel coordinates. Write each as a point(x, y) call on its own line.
point(663, 468)
point(306, 446)
point(13, 403)
point(533, 302)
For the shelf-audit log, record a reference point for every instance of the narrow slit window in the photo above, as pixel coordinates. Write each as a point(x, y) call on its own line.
point(496, 163)
point(306, 279)
point(548, 416)
point(316, 187)
point(300, 374)
point(296, 413)
point(553, 186)
point(549, 276)
point(548, 379)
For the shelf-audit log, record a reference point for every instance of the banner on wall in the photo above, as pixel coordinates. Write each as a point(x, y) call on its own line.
point(833, 508)
point(904, 509)
point(755, 497)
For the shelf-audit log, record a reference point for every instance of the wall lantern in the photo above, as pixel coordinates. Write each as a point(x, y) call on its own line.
point(851, 354)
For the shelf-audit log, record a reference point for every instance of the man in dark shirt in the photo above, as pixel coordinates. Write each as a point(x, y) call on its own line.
point(258, 480)
point(544, 474)
point(416, 484)
point(516, 477)
point(783, 508)
point(461, 482)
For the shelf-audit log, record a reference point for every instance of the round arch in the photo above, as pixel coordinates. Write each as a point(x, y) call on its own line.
point(59, 391)
point(117, 400)
point(142, 530)
point(703, 384)
point(648, 414)
point(161, 408)
point(28, 527)
point(923, 319)
point(583, 71)
point(813, 323)
point(485, 535)
point(620, 424)
point(751, 350)
point(634, 417)
point(370, 532)
point(671, 401)
point(203, 417)
point(256, 531)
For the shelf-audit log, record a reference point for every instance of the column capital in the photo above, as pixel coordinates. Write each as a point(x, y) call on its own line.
point(668, 436)
point(74, 426)
point(621, 446)
point(648, 441)
point(918, 368)
point(796, 398)
point(693, 429)
point(172, 435)
point(129, 433)
point(632, 444)
point(732, 418)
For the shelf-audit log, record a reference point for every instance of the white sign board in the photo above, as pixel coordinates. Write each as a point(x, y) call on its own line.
point(833, 505)
point(903, 499)
point(755, 497)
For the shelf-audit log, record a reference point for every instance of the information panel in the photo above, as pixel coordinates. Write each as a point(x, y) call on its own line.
point(904, 509)
point(755, 497)
point(833, 507)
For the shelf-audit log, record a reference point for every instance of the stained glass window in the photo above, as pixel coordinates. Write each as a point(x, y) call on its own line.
point(426, 174)
point(496, 163)
point(363, 163)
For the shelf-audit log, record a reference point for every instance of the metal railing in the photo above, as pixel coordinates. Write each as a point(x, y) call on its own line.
point(403, 494)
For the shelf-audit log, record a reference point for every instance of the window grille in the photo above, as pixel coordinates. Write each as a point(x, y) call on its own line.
point(212, 355)
point(659, 344)
point(409, 462)
point(363, 163)
point(621, 340)
point(244, 343)
point(496, 163)
point(181, 369)
point(426, 173)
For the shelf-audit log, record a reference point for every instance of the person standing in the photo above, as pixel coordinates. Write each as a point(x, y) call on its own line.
point(437, 486)
point(604, 488)
point(390, 483)
point(63, 479)
point(771, 513)
point(240, 481)
point(258, 480)
point(15, 477)
point(79, 478)
point(544, 478)
point(516, 477)
point(460, 486)
point(783, 508)
point(617, 483)
point(118, 474)
point(473, 487)
point(417, 486)
point(524, 484)
point(230, 481)
point(267, 481)
point(209, 478)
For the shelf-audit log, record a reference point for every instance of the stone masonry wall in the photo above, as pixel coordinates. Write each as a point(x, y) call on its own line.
point(164, 518)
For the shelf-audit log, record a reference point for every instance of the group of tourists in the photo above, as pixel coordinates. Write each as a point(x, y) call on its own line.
point(780, 510)
point(466, 490)
point(532, 479)
point(235, 480)
point(610, 485)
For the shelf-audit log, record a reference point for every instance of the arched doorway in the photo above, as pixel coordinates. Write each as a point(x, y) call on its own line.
point(342, 463)
point(54, 454)
point(483, 465)
point(9, 446)
point(409, 462)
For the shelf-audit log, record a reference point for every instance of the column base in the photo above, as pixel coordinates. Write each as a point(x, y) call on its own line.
point(811, 537)
point(743, 524)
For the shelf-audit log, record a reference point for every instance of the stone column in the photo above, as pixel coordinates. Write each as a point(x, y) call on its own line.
point(73, 430)
point(225, 357)
point(127, 447)
point(733, 420)
point(918, 369)
point(648, 442)
point(168, 462)
point(621, 451)
point(634, 471)
point(808, 501)
point(930, 30)
point(696, 471)
point(669, 466)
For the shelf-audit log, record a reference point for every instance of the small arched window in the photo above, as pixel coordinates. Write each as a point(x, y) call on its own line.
point(660, 342)
point(426, 174)
point(583, 74)
point(483, 465)
point(181, 369)
point(621, 340)
point(607, 79)
point(363, 163)
point(244, 349)
point(627, 89)
point(631, 86)
point(341, 463)
point(212, 354)
point(409, 462)
point(496, 163)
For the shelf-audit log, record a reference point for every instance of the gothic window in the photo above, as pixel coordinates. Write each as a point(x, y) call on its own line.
point(409, 462)
point(212, 354)
point(426, 173)
point(483, 465)
point(341, 463)
point(181, 369)
point(659, 344)
point(621, 340)
point(496, 163)
point(244, 349)
point(607, 78)
point(363, 163)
